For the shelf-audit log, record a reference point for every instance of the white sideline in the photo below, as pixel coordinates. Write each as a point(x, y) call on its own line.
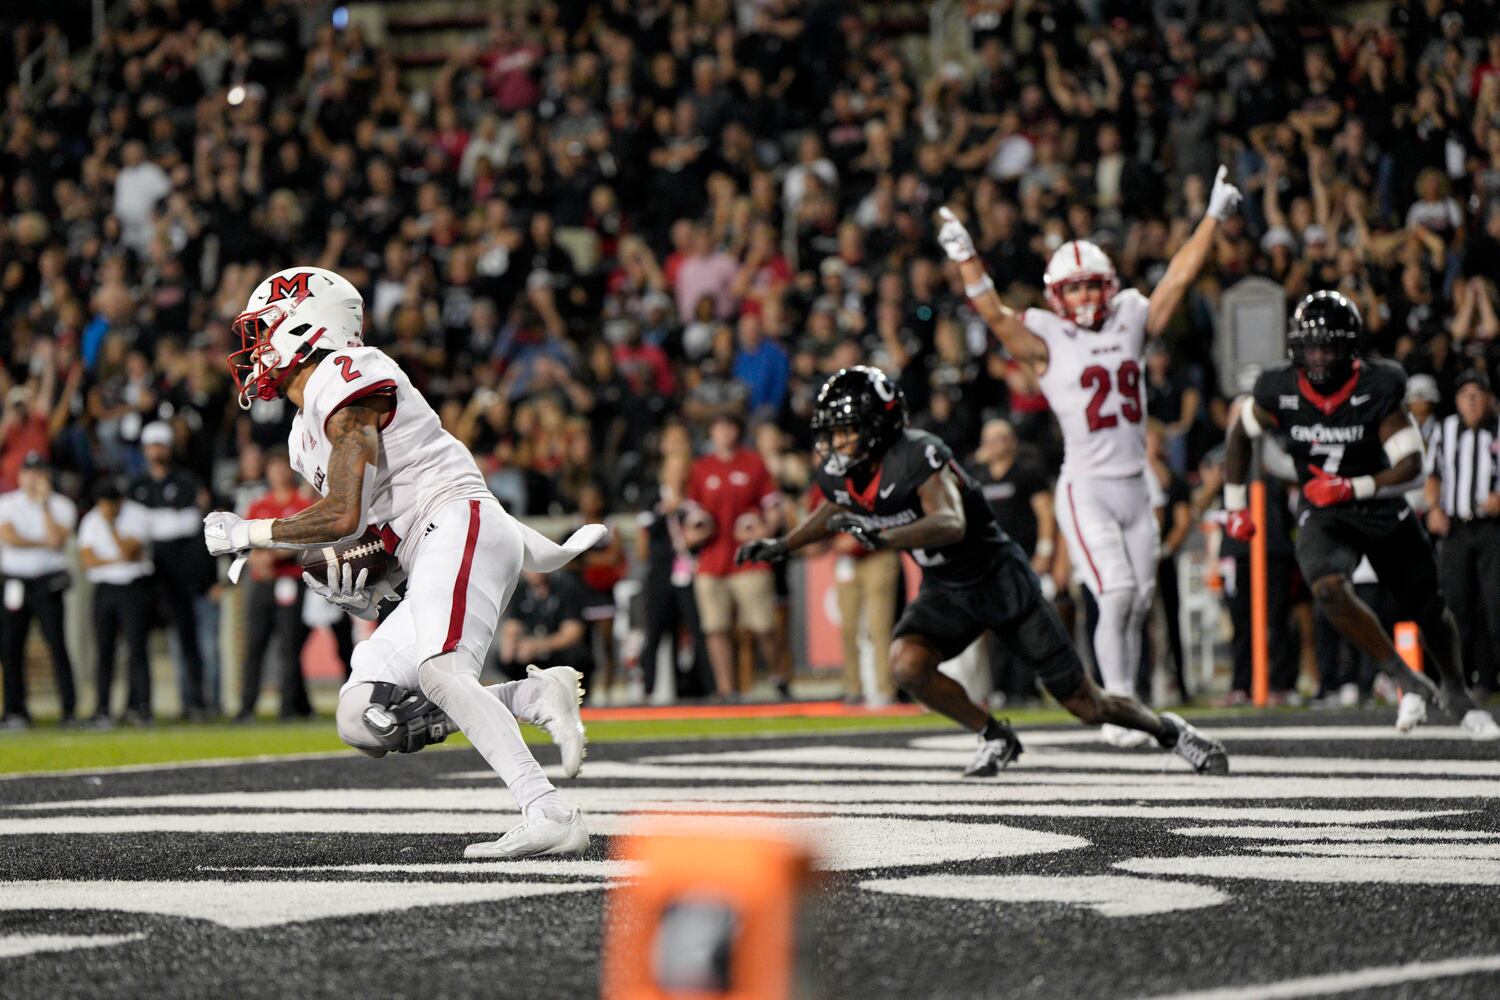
point(1344, 982)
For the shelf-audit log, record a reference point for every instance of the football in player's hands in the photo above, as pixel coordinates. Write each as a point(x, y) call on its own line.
point(365, 554)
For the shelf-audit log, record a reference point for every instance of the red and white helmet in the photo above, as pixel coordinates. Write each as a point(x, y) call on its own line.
point(1076, 262)
point(289, 315)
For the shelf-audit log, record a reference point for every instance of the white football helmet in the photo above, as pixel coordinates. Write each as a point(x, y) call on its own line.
point(1079, 262)
point(289, 315)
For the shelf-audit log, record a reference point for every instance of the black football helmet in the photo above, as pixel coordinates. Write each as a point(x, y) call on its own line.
point(864, 399)
point(1325, 320)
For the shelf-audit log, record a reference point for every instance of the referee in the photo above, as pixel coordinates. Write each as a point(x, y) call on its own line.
point(1465, 495)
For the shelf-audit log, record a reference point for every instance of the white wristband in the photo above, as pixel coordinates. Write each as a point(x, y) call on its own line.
point(260, 533)
point(1236, 497)
point(979, 287)
point(1364, 487)
point(1044, 548)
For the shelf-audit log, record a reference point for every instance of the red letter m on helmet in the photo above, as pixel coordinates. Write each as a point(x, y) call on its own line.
point(294, 288)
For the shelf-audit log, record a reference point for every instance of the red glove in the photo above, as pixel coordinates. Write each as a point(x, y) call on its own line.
point(1325, 490)
point(1239, 526)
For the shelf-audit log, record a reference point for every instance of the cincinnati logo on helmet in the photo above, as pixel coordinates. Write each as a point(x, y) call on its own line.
point(294, 287)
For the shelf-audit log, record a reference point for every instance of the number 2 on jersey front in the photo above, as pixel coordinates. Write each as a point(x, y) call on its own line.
point(1097, 378)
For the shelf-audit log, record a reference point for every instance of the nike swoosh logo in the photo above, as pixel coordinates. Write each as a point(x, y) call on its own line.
point(887, 491)
point(1359, 400)
point(1402, 516)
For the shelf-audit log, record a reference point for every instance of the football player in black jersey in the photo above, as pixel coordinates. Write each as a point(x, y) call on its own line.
point(1342, 418)
point(891, 487)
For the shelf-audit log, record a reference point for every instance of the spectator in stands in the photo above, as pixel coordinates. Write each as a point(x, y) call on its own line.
point(544, 626)
point(36, 524)
point(732, 487)
point(114, 542)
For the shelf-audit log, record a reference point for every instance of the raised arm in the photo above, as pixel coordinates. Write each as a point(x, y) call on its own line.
point(1189, 261)
point(1004, 322)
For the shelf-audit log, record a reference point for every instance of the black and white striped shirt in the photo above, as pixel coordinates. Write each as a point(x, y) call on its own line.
point(1467, 462)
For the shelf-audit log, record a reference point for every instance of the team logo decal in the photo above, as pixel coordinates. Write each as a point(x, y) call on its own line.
point(294, 287)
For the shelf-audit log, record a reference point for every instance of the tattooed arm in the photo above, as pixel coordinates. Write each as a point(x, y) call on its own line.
point(355, 437)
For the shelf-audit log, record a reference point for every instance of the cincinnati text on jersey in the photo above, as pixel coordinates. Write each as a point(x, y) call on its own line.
point(1320, 434)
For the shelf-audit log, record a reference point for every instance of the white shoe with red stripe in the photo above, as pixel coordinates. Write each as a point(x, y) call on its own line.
point(557, 713)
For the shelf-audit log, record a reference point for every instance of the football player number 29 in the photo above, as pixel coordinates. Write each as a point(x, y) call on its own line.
point(1097, 378)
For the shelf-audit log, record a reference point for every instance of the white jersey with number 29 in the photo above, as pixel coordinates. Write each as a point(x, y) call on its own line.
point(1093, 384)
point(421, 466)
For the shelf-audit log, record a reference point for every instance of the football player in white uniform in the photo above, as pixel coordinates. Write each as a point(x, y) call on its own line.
point(372, 446)
point(1086, 354)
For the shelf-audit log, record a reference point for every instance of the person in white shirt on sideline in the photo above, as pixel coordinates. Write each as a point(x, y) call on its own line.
point(35, 524)
point(114, 541)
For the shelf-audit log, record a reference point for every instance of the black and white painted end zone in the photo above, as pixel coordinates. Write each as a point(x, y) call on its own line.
point(1337, 859)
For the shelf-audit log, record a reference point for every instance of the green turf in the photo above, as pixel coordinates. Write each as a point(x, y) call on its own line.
point(48, 748)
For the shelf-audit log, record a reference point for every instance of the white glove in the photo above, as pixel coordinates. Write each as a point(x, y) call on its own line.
point(954, 238)
point(1224, 199)
point(349, 592)
point(225, 532)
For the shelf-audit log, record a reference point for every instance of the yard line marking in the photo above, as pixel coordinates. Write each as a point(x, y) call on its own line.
point(19, 945)
point(1108, 895)
point(1345, 982)
point(1333, 833)
point(1229, 734)
point(1340, 871)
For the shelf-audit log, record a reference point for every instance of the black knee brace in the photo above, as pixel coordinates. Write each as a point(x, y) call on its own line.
point(405, 716)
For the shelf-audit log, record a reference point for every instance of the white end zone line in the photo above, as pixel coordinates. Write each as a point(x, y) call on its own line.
point(1345, 982)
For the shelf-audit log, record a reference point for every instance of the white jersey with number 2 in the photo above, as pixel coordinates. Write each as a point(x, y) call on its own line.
point(1093, 384)
point(421, 466)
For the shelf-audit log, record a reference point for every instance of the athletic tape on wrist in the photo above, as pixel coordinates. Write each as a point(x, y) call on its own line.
point(260, 533)
point(1236, 497)
point(979, 287)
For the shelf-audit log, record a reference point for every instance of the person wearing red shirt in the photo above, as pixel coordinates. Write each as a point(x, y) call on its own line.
point(731, 485)
point(274, 601)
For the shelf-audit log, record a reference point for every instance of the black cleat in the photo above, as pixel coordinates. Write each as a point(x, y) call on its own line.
point(1206, 754)
point(993, 756)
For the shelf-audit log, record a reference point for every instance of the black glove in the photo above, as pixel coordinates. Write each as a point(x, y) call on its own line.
point(761, 550)
point(857, 527)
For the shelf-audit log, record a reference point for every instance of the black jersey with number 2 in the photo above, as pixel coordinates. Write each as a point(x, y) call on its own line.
point(1340, 432)
point(889, 497)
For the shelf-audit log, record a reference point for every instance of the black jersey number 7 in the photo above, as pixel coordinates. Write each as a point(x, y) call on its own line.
point(1097, 378)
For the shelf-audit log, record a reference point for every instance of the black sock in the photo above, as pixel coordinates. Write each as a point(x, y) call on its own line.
point(994, 730)
point(1169, 734)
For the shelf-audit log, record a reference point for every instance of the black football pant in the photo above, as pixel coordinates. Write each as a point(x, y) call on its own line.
point(123, 607)
point(44, 605)
point(1469, 567)
point(265, 621)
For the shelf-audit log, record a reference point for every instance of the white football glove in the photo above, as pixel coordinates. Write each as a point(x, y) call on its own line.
point(954, 238)
point(349, 592)
point(225, 532)
point(1224, 199)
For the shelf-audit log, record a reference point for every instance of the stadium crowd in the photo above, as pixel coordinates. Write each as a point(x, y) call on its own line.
point(610, 240)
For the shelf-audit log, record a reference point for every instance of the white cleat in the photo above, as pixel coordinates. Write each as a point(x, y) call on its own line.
point(535, 839)
point(557, 713)
point(1480, 725)
point(1411, 713)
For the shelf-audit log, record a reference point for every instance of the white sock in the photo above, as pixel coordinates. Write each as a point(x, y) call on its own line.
point(454, 687)
point(520, 696)
point(1112, 643)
